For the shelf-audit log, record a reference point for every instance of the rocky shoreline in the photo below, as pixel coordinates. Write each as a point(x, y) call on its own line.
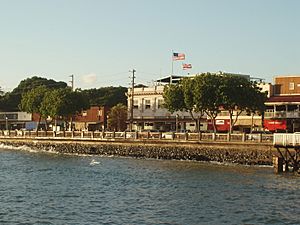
point(240, 153)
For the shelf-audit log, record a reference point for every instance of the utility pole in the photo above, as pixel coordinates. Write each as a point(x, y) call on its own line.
point(72, 82)
point(71, 118)
point(132, 102)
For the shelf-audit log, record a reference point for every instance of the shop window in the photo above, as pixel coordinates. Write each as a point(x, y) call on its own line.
point(135, 104)
point(147, 104)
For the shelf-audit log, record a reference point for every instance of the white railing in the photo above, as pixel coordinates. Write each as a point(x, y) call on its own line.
point(286, 139)
point(170, 136)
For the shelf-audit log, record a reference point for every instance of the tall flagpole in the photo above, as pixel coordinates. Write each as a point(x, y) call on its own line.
point(172, 66)
point(172, 61)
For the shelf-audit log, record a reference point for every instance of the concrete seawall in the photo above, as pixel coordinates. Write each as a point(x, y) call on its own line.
point(241, 153)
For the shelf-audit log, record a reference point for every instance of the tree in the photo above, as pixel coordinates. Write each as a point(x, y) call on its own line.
point(1, 92)
point(32, 100)
point(117, 118)
point(189, 92)
point(208, 96)
point(63, 103)
point(240, 95)
point(11, 100)
point(257, 105)
point(173, 98)
point(108, 96)
point(235, 91)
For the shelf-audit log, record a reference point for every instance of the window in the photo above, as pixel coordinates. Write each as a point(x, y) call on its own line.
point(147, 104)
point(291, 86)
point(135, 104)
point(160, 103)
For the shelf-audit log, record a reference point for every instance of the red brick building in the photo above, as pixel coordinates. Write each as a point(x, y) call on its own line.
point(94, 118)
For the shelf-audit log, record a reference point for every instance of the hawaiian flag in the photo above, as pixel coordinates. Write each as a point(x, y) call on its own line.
point(186, 66)
point(178, 56)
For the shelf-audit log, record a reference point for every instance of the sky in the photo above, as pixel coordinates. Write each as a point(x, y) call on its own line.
point(99, 41)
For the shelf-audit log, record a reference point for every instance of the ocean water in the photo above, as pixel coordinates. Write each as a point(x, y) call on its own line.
point(49, 188)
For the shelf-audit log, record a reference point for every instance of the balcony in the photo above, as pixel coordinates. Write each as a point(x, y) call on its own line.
point(282, 114)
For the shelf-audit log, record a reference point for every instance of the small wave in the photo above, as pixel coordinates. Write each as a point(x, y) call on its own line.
point(22, 148)
point(94, 162)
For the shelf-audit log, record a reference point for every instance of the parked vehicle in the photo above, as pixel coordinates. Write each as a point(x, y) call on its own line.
point(256, 135)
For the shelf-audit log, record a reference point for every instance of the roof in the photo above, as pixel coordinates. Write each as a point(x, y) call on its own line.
point(284, 99)
point(175, 79)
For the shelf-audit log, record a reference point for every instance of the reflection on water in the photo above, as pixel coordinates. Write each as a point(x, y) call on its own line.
point(44, 188)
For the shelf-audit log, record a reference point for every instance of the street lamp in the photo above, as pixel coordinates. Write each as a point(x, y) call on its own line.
point(176, 123)
point(6, 123)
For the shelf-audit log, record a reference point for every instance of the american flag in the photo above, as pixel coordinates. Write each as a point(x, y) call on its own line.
point(178, 56)
point(186, 66)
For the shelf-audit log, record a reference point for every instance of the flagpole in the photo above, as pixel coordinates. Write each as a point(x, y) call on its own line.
point(172, 67)
point(172, 61)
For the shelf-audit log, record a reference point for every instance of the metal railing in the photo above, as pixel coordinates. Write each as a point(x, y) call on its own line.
point(285, 139)
point(170, 136)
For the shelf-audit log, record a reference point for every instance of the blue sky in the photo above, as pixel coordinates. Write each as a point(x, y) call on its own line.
point(100, 41)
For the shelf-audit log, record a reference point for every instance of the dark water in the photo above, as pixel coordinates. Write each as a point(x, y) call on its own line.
point(41, 188)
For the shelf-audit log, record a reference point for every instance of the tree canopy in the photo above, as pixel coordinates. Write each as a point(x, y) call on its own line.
point(211, 93)
point(11, 100)
point(106, 96)
point(117, 118)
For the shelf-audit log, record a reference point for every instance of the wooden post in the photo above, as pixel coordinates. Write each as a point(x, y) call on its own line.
point(200, 136)
point(228, 137)
point(243, 137)
point(278, 164)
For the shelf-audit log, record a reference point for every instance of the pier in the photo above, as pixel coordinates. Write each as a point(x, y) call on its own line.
point(288, 152)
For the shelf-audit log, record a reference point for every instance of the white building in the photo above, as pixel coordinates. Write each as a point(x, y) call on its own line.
point(150, 114)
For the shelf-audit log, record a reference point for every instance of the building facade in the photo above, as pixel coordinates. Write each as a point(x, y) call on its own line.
point(14, 120)
point(92, 119)
point(283, 107)
point(150, 114)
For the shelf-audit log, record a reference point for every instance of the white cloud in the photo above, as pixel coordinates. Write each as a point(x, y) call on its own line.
point(90, 78)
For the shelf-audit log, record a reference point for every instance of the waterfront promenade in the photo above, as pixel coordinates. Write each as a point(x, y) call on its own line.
point(179, 146)
point(158, 136)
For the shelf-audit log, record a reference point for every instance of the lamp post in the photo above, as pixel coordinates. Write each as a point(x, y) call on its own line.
point(107, 117)
point(176, 123)
point(6, 123)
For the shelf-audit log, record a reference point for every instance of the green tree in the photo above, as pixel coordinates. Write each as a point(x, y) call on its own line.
point(117, 118)
point(173, 98)
point(1, 92)
point(32, 100)
point(63, 103)
point(11, 100)
point(108, 96)
point(257, 103)
point(208, 96)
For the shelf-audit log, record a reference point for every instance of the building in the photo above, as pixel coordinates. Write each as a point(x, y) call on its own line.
point(150, 114)
point(92, 119)
point(14, 120)
point(283, 107)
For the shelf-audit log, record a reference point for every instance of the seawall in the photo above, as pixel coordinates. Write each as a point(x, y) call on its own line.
point(241, 153)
